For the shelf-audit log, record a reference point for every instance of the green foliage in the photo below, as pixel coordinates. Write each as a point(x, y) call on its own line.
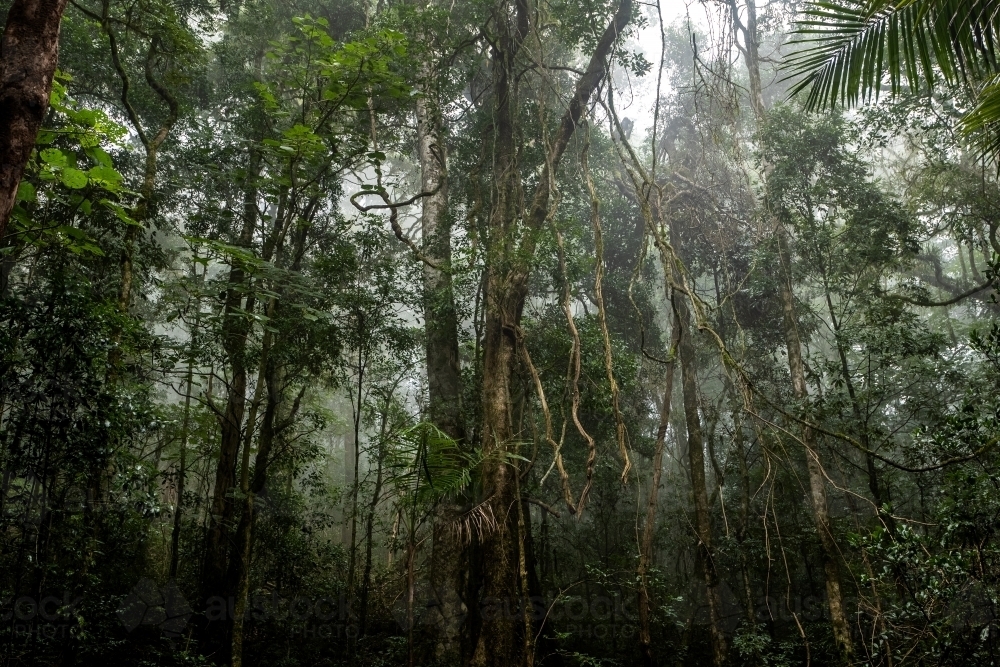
point(852, 47)
point(428, 466)
point(269, 312)
point(70, 180)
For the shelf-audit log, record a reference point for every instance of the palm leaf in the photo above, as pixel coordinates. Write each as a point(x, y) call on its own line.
point(851, 48)
point(427, 465)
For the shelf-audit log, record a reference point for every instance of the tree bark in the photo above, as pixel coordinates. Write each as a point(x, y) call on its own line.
point(355, 472)
point(649, 527)
point(235, 329)
point(817, 482)
point(29, 54)
point(175, 537)
point(696, 461)
point(498, 641)
point(240, 565)
point(274, 378)
point(366, 577)
point(444, 389)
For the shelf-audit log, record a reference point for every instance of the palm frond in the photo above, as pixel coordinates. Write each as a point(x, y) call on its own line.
point(852, 48)
point(985, 116)
point(427, 465)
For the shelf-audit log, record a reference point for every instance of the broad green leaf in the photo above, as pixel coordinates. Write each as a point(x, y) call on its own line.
point(26, 192)
point(54, 157)
point(100, 156)
point(105, 175)
point(74, 178)
point(120, 212)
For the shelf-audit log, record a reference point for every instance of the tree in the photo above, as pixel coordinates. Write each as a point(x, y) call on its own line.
point(28, 61)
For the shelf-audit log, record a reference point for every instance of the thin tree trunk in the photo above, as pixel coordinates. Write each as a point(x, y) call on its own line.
point(29, 53)
point(523, 530)
point(741, 535)
point(366, 580)
point(235, 330)
point(272, 377)
point(240, 566)
point(175, 537)
point(411, 556)
point(345, 528)
point(696, 461)
point(649, 527)
point(355, 489)
point(817, 481)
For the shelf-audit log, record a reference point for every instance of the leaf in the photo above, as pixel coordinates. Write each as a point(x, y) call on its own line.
point(74, 178)
point(26, 192)
point(86, 117)
point(54, 157)
point(854, 48)
point(120, 212)
point(100, 156)
point(105, 175)
point(72, 232)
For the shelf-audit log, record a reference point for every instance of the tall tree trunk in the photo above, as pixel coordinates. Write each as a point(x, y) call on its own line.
point(235, 329)
point(696, 461)
point(510, 257)
point(817, 481)
point(273, 378)
point(441, 320)
point(345, 527)
point(496, 641)
point(796, 367)
point(444, 379)
point(355, 487)
point(366, 578)
point(240, 563)
point(741, 533)
point(175, 537)
point(29, 53)
point(649, 527)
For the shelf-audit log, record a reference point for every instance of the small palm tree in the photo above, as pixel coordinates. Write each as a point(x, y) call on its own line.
point(855, 49)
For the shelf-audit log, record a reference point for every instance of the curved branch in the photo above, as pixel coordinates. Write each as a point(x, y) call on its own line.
point(539, 503)
point(122, 75)
point(930, 304)
point(393, 208)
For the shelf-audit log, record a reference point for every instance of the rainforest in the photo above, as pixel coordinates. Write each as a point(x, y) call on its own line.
point(500, 333)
